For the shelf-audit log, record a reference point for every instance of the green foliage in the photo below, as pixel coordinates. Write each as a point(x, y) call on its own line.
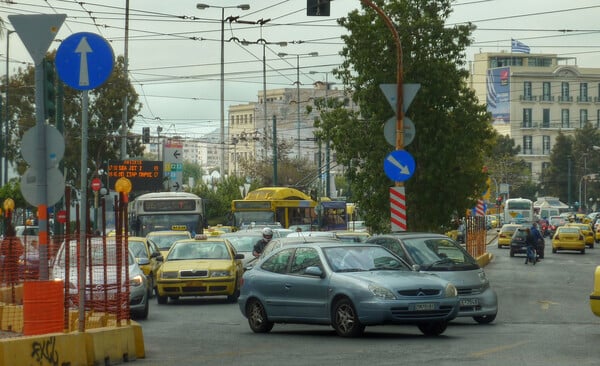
point(218, 198)
point(505, 167)
point(555, 177)
point(453, 131)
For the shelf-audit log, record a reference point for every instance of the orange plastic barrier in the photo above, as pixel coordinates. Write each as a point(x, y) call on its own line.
point(43, 307)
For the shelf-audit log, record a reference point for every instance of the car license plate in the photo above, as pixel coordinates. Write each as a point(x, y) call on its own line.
point(424, 307)
point(469, 302)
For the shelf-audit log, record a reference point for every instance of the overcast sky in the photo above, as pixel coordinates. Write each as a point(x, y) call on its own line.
point(174, 48)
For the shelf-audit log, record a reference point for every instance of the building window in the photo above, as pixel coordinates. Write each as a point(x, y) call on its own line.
point(564, 118)
point(583, 117)
point(527, 117)
point(527, 145)
point(546, 145)
point(564, 92)
point(545, 166)
point(546, 91)
point(583, 92)
point(527, 90)
point(546, 118)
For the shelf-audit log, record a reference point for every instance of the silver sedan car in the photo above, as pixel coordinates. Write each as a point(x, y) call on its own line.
point(347, 286)
point(440, 255)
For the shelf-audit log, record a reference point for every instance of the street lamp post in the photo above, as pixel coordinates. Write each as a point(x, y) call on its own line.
point(201, 6)
point(5, 139)
point(282, 54)
point(327, 151)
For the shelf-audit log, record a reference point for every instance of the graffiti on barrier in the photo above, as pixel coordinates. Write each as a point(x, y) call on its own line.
point(45, 351)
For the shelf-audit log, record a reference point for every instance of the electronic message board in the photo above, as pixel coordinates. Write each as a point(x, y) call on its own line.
point(145, 175)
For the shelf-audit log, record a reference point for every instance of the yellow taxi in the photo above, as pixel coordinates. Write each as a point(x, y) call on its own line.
point(587, 231)
point(141, 248)
point(505, 234)
point(164, 239)
point(595, 295)
point(568, 238)
point(203, 266)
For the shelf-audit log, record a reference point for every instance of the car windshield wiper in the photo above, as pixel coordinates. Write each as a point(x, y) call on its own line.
point(438, 262)
point(351, 270)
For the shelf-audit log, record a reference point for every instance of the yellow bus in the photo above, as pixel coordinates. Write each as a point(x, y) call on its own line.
point(272, 205)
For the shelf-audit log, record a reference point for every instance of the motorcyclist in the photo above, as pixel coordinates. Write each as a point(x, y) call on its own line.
point(267, 235)
point(538, 239)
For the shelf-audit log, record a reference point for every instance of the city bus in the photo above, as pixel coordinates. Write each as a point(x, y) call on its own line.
point(166, 211)
point(518, 211)
point(272, 205)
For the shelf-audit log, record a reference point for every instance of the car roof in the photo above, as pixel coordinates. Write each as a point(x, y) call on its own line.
point(168, 232)
point(411, 234)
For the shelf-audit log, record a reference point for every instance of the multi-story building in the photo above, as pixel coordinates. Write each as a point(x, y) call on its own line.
point(250, 127)
point(534, 96)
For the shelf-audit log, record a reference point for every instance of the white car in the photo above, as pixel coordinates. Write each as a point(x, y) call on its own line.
point(101, 293)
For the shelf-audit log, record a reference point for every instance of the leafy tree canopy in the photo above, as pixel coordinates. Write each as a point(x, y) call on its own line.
point(453, 131)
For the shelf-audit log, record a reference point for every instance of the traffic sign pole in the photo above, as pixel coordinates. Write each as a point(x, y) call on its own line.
point(37, 33)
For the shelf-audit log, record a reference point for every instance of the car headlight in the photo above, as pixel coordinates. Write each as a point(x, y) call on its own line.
point(167, 275)
point(136, 281)
point(381, 292)
point(220, 274)
point(451, 291)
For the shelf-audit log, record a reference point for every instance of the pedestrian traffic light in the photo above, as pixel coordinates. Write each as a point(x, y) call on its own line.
point(49, 86)
point(146, 135)
point(317, 8)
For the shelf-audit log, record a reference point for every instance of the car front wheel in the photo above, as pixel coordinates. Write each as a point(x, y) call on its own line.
point(433, 329)
point(257, 317)
point(345, 320)
point(485, 319)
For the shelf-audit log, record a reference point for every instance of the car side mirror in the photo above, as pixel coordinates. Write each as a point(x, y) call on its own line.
point(143, 261)
point(314, 271)
point(239, 256)
point(160, 258)
point(416, 267)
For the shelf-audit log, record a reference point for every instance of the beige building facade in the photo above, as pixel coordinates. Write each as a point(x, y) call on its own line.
point(534, 96)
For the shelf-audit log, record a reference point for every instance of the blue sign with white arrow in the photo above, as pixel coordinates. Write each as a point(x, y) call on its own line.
point(84, 61)
point(399, 165)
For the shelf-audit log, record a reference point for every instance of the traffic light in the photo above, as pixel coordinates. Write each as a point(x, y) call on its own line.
point(146, 135)
point(317, 8)
point(49, 89)
point(499, 201)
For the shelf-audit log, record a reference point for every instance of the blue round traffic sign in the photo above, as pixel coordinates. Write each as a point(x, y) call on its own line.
point(399, 165)
point(84, 61)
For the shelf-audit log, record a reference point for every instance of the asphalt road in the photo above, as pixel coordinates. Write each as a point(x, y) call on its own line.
point(544, 319)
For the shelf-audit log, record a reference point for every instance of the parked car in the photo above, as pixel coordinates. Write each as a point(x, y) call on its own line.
point(203, 266)
point(568, 238)
point(505, 234)
point(102, 290)
point(440, 255)
point(347, 286)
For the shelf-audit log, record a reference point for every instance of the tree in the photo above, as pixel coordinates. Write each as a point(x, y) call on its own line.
point(504, 166)
point(454, 132)
point(555, 178)
point(104, 120)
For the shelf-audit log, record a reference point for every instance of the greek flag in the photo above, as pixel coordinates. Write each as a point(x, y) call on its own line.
point(517, 46)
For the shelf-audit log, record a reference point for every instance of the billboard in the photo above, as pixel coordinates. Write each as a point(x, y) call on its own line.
point(498, 94)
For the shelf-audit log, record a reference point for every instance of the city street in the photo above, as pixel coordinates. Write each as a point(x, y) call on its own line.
point(544, 319)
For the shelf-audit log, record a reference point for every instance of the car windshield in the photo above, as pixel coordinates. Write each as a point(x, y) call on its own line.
point(164, 241)
point(243, 243)
point(358, 259)
point(138, 249)
point(198, 250)
point(439, 253)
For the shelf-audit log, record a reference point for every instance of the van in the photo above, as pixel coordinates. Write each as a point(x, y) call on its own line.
point(547, 212)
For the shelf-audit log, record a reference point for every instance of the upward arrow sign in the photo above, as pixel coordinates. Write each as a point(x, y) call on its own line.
point(83, 48)
point(408, 90)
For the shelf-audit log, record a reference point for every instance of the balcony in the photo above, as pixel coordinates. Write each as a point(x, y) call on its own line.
point(546, 98)
point(565, 99)
point(584, 99)
point(527, 98)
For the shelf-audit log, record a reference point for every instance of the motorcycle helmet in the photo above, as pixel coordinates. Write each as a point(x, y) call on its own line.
point(267, 233)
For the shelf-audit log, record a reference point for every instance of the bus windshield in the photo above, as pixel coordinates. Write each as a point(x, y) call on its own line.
point(247, 217)
point(185, 222)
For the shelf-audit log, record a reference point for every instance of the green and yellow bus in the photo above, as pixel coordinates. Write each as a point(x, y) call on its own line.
point(271, 205)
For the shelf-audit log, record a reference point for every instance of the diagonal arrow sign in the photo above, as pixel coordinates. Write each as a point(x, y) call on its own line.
point(403, 168)
point(83, 48)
